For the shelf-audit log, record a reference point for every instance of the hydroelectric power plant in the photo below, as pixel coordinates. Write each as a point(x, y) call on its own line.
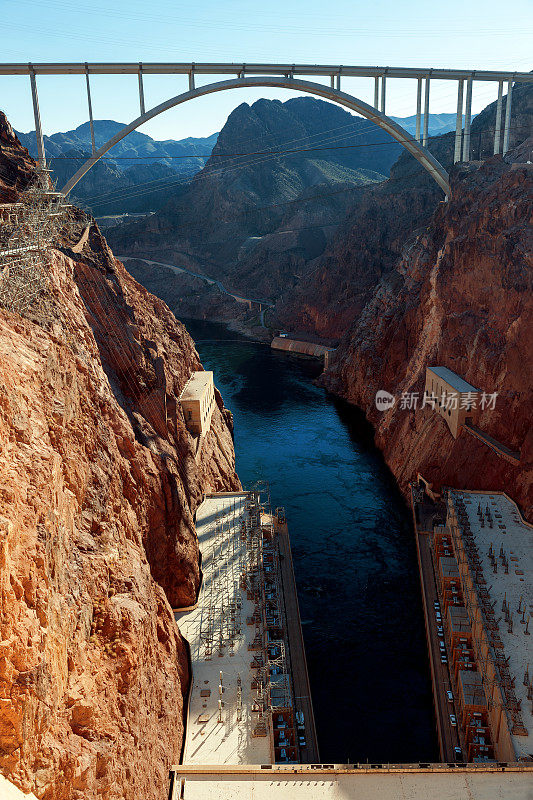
point(266, 479)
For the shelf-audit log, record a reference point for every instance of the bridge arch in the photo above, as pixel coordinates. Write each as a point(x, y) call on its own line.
point(422, 154)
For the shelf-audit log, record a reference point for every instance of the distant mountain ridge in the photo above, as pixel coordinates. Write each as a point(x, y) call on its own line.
point(193, 151)
point(139, 145)
point(139, 174)
point(438, 123)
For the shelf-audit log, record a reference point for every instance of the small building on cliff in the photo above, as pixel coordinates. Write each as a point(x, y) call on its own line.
point(451, 397)
point(197, 401)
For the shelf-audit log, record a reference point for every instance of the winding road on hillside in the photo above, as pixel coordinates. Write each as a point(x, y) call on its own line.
point(212, 281)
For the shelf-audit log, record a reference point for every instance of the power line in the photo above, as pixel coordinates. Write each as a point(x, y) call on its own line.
point(212, 173)
point(123, 194)
point(169, 181)
point(274, 153)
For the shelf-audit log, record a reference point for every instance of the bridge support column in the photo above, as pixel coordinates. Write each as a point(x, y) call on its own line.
point(506, 130)
point(468, 120)
point(498, 127)
point(383, 87)
point(89, 103)
point(141, 90)
point(37, 118)
point(376, 91)
point(426, 114)
point(339, 80)
point(418, 108)
point(458, 122)
point(333, 81)
point(191, 79)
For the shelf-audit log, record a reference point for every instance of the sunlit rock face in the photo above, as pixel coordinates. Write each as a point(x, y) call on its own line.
point(98, 487)
point(381, 224)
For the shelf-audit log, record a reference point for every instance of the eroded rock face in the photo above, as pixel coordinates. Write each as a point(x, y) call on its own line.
point(382, 224)
point(98, 488)
point(459, 297)
point(17, 165)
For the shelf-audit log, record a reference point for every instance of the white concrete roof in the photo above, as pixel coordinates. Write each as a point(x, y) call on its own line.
point(516, 538)
point(458, 383)
point(457, 785)
point(196, 385)
point(10, 792)
point(207, 740)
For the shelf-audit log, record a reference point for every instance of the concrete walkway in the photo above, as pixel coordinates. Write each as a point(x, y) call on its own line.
point(501, 450)
point(78, 247)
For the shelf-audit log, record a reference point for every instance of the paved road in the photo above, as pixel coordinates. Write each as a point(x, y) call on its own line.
point(448, 734)
point(300, 678)
point(212, 281)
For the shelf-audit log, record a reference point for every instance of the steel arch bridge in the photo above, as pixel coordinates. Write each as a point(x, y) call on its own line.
point(282, 76)
point(420, 152)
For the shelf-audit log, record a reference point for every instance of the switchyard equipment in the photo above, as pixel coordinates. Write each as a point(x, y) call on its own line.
point(241, 704)
point(483, 564)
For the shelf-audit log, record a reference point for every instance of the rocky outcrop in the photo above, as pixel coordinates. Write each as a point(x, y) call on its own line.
point(98, 486)
point(270, 197)
point(460, 296)
point(187, 296)
point(17, 165)
point(338, 284)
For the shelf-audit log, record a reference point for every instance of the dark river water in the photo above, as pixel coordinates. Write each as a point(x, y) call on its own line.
point(353, 549)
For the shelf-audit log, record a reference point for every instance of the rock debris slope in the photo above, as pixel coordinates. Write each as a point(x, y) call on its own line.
point(98, 488)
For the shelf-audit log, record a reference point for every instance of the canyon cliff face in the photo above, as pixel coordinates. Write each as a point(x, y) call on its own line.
point(270, 197)
point(382, 221)
point(315, 231)
point(460, 296)
point(98, 487)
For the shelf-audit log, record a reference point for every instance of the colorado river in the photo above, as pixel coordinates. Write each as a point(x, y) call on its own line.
point(353, 549)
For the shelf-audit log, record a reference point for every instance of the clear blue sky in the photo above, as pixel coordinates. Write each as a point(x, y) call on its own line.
point(476, 34)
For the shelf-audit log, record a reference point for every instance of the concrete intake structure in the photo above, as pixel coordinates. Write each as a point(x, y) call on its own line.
point(450, 396)
point(197, 401)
